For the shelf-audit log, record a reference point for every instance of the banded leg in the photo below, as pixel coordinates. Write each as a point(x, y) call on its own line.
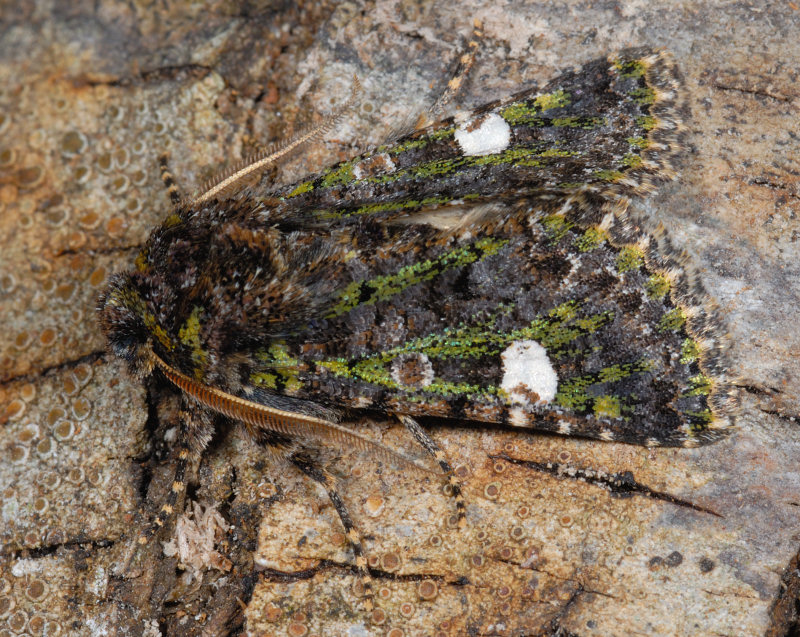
point(178, 482)
point(465, 62)
point(169, 180)
point(193, 436)
point(323, 477)
point(429, 444)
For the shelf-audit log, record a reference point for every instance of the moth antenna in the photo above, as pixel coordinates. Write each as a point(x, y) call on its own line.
point(169, 180)
point(287, 423)
point(226, 181)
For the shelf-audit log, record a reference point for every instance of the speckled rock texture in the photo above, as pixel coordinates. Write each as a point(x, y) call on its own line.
point(92, 93)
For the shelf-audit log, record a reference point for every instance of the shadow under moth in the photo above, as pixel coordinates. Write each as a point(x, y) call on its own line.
point(477, 269)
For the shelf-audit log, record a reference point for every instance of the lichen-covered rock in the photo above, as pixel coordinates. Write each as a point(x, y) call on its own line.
point(91, 97)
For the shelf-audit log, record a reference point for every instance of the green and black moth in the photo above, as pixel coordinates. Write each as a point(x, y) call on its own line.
point(478, 269)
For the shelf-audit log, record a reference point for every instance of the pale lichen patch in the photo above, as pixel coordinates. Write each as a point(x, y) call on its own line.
point(528, 374)
point(487, 135)
point(196, 534)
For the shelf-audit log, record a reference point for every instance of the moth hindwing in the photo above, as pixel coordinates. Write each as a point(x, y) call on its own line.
point(524, 304)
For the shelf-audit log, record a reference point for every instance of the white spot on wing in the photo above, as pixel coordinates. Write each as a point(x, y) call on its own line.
point(486, 136)
point(526, 371)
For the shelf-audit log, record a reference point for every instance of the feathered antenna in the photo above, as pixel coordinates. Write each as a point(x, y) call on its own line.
point(279, 421)
point(226, 181)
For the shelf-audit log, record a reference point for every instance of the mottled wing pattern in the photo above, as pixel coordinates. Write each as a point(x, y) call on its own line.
point(586, 138)
point(525, 320)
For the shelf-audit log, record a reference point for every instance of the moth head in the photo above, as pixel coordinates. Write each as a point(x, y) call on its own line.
point(124, 319)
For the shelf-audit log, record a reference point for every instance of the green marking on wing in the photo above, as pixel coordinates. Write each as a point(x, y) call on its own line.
point(554, 331)
point(302, 188)
point(607, 407)
point(700, 385)
point(643, 95)
point(533, 157)
point(556, 227)
point(283, 369)
point(425, 171)
point(638, 142)
point(647, 122)
point(630, 258)
point(672, 320)
point(536, 156)
point(340, 175)
point(586, 123)
point(630, 68)
point(388, 206)
point(570, 185)
point(376, 371)
point(699, 420)
point(631, 160)
point(527, 112)
point(393, 206)
point(563, 326)
point(521, 156)
point(608, 175)
point(590, 239)
point(615, 373)
point(419, 142)
point(381, 288)
point(189, 335)
point(572, 393)
point(264, 379)
point(690, 351)
point(558, 328)
point(558, 152)
point(657, 286)
point(556, 99)
point(530, 114)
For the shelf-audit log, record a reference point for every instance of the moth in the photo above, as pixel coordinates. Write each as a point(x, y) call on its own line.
point(477, 269)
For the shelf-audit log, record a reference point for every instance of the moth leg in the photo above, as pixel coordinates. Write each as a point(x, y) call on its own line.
point(193, 436)
point(317, 473)
point(465, 62)
point(169, 180)
point(429, 444)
